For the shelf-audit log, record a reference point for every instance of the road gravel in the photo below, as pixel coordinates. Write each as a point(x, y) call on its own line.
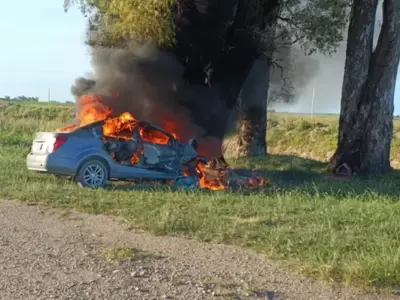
point(48, 254)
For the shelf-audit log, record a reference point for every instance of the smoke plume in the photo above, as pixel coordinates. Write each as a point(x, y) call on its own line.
point(292, 71)
point(148, 83)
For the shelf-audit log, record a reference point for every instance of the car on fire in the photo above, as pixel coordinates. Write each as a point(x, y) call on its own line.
point(92, 158)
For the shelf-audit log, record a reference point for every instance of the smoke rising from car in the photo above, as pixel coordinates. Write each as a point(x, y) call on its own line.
point(142, 81)
point(148, 83)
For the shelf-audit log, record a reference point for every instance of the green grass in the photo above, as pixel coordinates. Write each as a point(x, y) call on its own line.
point(315, 138)
point(126, 253)
point(342, 231)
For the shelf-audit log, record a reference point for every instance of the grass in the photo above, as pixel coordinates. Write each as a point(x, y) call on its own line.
point(126, 253)
point(313, 138)
point(342, 231)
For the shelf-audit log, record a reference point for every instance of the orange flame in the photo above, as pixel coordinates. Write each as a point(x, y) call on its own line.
point(218, 180)
point(153, 136)
point(121, 127)
point(216, 184)
point(91, 110)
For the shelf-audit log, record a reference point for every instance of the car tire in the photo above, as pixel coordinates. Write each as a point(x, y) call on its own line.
point(93, 174)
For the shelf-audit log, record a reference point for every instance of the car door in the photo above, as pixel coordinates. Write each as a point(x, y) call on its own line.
point(160, 151)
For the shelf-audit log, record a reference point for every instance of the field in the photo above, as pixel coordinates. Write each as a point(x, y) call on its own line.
point(337, 231)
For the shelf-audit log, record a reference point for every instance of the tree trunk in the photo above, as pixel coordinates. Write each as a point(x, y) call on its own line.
point(366, 117)
point(252, 127)
point(217, 43)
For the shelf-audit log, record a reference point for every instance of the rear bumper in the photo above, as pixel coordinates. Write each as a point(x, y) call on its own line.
point(51, 164)
point(36, 162)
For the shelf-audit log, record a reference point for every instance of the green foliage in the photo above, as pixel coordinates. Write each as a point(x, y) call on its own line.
point(20, 98)
point(119, 20)
point(315, 25)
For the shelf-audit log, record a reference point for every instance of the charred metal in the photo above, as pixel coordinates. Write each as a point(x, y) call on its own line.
point(144, 145)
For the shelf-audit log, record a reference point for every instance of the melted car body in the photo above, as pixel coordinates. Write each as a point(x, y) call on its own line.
point(147, 152)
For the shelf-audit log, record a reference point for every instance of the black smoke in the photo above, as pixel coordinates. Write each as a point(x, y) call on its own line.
point(145, 82)
point(148, 83)
point(291, 72)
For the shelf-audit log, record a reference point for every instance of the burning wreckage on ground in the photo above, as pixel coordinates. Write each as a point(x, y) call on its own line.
point(102, 147)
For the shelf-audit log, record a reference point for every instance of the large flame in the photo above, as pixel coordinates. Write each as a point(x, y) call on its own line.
point(93, 110)
point(217, 180)
point(217, 183)
point(120, 127)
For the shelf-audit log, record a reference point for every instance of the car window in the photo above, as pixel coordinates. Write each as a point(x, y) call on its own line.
point(152, 135)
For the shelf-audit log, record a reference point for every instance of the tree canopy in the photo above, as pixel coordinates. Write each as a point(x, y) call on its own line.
point(218, 42)
point(21, 98)
point(315, 25)
point(120, 20)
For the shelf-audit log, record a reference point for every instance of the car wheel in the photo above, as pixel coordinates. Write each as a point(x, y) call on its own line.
point(93, 174)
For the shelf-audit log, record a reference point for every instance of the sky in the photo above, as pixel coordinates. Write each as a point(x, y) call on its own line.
point(43, 48)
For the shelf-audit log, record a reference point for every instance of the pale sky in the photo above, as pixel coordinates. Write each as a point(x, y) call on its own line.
point(43, 47)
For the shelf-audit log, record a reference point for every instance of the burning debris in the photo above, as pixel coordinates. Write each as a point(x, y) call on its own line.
point(221, 179)
point(139, 144)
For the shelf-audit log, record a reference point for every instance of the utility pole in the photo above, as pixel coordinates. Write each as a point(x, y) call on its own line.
point(48, 95)
point(312, 104)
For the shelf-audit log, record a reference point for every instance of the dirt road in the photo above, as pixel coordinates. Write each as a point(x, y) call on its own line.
point(48, 255)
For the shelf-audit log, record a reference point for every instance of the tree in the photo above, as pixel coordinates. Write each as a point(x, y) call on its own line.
point(315, 25)
point(218, 42)
point(366, 117)
point(274, 78)
point(21, 98)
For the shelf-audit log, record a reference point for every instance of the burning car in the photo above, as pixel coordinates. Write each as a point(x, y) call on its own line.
point(121, 148)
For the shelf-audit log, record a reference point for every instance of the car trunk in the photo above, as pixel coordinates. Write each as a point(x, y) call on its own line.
point(46, 142)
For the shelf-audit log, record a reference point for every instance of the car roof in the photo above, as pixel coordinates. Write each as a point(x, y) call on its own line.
point(141, 123)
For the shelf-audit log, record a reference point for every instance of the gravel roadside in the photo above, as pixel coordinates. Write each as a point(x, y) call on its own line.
point(45, 254)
